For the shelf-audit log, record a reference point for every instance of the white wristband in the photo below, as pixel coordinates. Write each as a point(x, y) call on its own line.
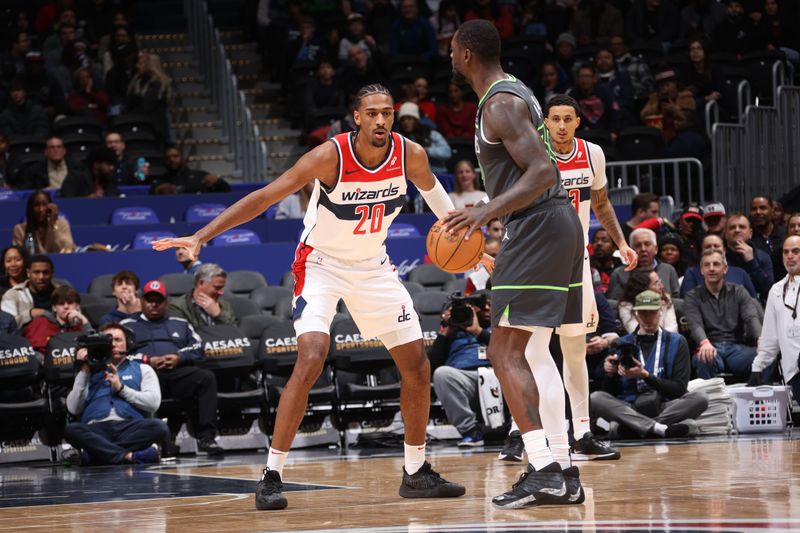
point(438, 200)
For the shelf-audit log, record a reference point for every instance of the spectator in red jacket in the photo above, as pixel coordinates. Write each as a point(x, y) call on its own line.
point(501, 15)
point(85, 99)
point(65, 316)
point(456, 118)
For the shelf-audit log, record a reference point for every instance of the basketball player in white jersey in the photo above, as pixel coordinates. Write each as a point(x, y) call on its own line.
point(359, 187)
point(582, 166)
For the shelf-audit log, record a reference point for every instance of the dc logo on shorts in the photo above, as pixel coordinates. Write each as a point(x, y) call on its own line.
point(404, 317)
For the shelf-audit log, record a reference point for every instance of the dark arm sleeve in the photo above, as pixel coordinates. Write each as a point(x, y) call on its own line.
point(694, 315)
point(484, 337)
point(760, 270)
point(675, 386)
point(439, 350)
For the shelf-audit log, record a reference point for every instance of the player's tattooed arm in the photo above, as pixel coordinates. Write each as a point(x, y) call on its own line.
point(607, 217)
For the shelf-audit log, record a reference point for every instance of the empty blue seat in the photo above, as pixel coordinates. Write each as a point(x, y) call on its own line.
point(236, 237)
point(133, 215)
point(399, 230)
point(143, 240)
point(203, 212)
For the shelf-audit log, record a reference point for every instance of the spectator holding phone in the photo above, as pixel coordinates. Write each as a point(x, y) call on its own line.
point(643, 392)
point(43, 231)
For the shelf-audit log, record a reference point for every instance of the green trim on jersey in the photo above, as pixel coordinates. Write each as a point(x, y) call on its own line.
point(574, 285)
point(507, 311)
point(508, 78)
point(525, 287)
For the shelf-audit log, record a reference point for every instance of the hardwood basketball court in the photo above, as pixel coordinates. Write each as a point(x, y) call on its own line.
point(730, 484)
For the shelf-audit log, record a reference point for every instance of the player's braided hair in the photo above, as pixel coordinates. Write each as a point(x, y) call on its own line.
point(369, 90)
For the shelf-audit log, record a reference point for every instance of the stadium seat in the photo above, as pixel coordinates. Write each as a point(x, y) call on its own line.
point(283, 309)
point(287, 280)
point(244, 282)
point(79, 146)
point(519, 65)
point(177, 283)
point(133, 215)
point(601, 138)
point(24, 144)
point(61, 281)
point(254, 325)
point(203, 212)
point(413, 287)
point(130, 123)
point(267, 298)
point(461, 149)
point(430, 276)
point(144, 240)
point(533, 47)
point(80, 125)
point(399, 230)
point(101, 286)
point(640, 142)
point(650, 53)
point(408, 68)
point(759, 67)
point(277, 355)
point(430, 303)
point(94, 312)
point(23, 411)
point(727, 81)
point(366, 379)
point(230, 355)
point(455, 285)
point(241, 306)
point(236, 237)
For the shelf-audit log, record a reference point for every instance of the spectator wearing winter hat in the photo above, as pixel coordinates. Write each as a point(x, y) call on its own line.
point(431, 140)
point(690, 228)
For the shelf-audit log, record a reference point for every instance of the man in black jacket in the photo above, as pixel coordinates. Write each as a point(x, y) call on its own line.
point(182, 179)
point(99, 182)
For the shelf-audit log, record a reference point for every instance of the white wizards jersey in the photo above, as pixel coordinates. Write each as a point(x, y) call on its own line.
point(582, 170)
point(351, 220)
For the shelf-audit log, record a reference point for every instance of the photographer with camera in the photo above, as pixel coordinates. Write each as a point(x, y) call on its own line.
point(115, 396)
point(455, 356)
point(644, 387)
point(65, 316)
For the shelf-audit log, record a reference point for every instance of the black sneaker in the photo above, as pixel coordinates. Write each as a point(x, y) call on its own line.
point(535, 488)
point(74, 457)
point(677, 431)
point(268, 492)
point(169, 452)
point(587, 448)
point(473, 438)
point(426, 483)
point(209, 447)
point(513, 448)
point(572, 478)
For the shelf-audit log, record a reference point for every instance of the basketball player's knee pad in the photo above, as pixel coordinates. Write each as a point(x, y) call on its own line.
point(398, 337)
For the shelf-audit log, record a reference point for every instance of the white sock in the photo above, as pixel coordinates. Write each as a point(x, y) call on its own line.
point(414, 457)
point(276, 460)
point(514, 426)
point(551, 393)
point(536, 447)
point(659, 429)
point(559, 447)
point(576, 381)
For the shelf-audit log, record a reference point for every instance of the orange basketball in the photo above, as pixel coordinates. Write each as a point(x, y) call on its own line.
point(450, 252)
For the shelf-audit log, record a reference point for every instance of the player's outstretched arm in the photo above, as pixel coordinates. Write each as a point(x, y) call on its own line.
point(607, 217)
point(506, 118)
point(321, 163)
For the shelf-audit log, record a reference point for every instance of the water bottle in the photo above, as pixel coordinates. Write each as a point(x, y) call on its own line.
point(30, 244)
point(141, 166)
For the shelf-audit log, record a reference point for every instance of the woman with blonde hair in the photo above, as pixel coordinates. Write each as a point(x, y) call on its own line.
point(466, 191)
point(149, 93)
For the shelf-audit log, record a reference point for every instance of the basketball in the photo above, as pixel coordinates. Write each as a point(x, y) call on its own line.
point(450, 252)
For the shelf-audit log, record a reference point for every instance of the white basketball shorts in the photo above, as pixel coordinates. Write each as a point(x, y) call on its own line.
point(371, 290)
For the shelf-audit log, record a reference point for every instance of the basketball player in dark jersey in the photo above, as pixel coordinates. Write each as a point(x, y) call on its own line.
point(536, 284)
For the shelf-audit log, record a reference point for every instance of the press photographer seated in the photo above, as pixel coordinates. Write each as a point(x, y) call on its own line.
point(455, 357)
point(114, 396)
point(644, 387)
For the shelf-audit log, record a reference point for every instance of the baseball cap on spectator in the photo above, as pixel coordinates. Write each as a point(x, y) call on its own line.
point(408, 109)
point(664, 74)
point(566, 38)
point(34, 56)
point(647, 301)
point(692, 213)
point(154, 286)
point(355, 16)
point(714, 210)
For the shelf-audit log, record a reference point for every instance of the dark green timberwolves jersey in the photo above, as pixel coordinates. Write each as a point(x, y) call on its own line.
point(499, 170)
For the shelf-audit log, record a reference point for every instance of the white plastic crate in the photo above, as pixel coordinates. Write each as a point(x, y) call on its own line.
point(760, 409)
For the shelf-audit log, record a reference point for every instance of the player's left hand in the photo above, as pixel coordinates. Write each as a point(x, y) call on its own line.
point(471, 218)
point(629, 257)
point(488, 263)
